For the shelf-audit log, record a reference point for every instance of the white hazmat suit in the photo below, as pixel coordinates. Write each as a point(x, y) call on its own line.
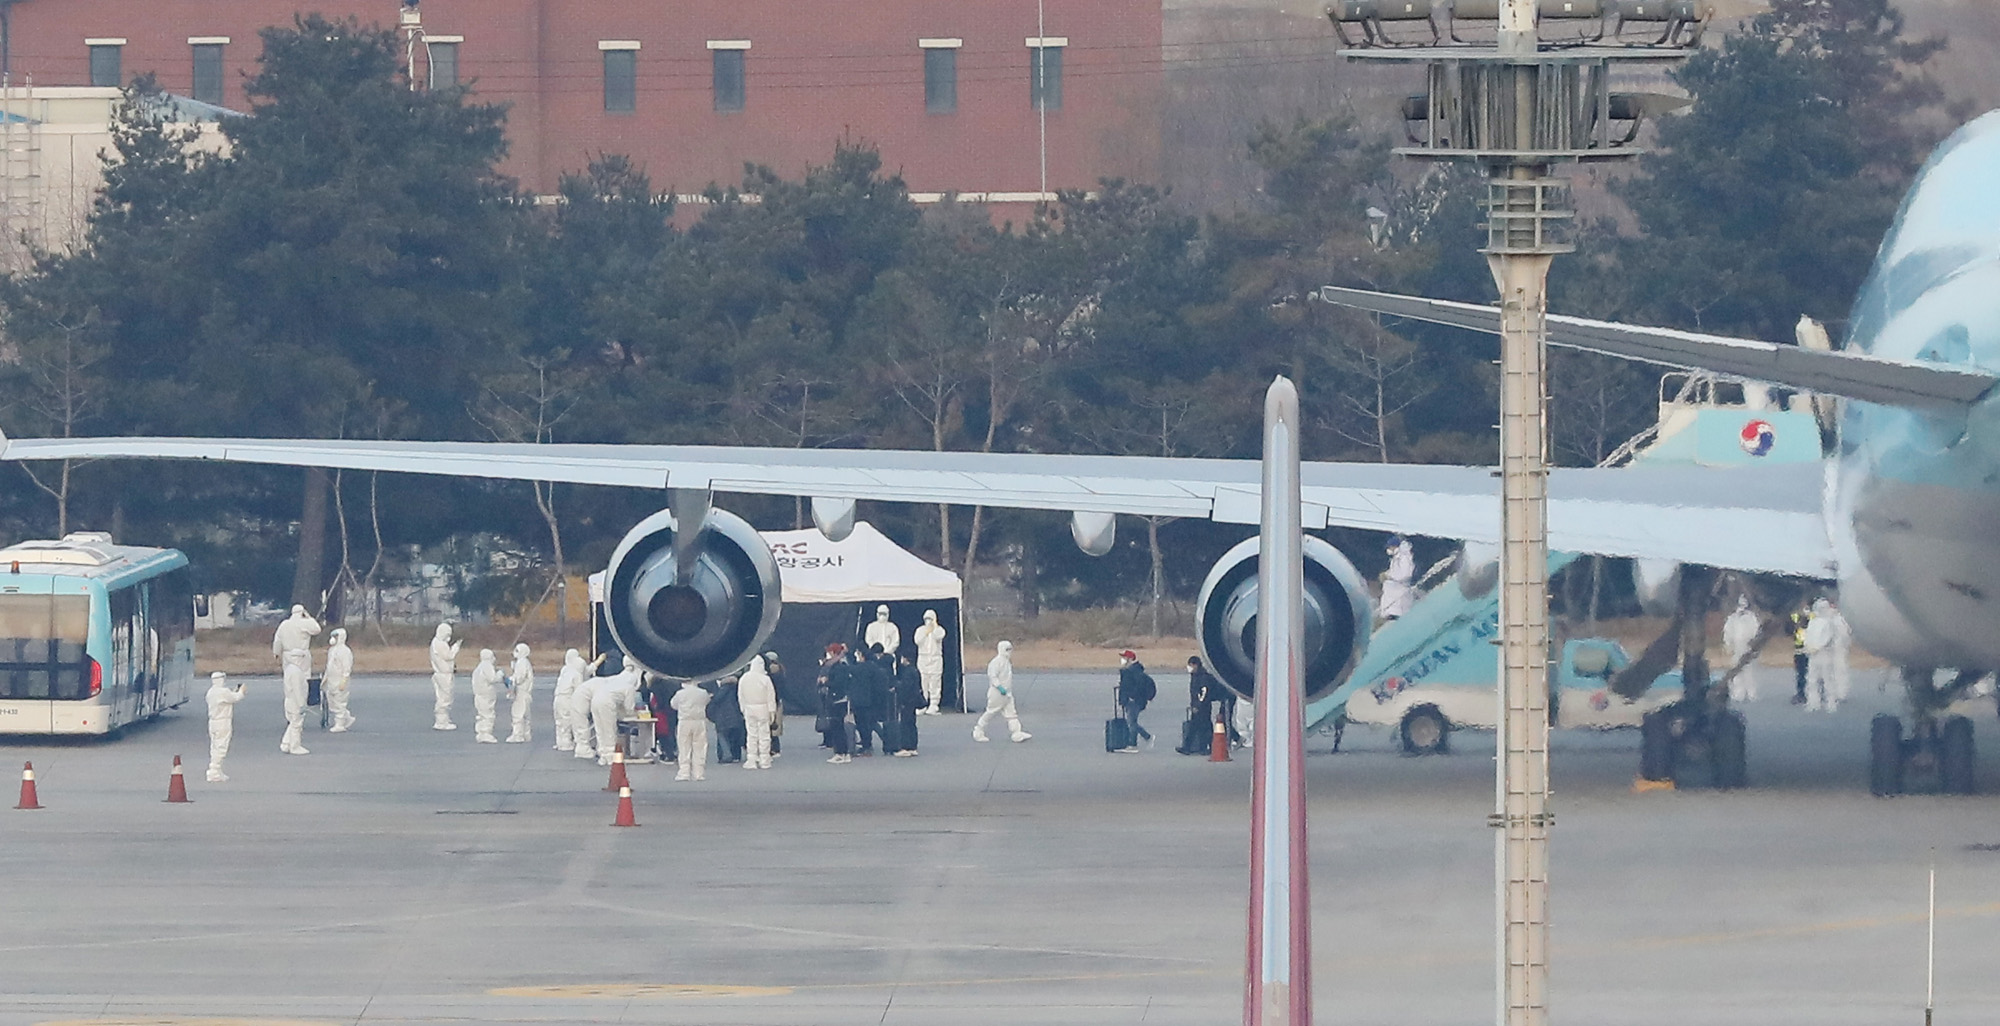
point(883, 632)
point(615, 698)
point(485, 697)
point(1398, 594)
point(222, 701)
point(930, 662)
point(1827, 642)
point(1000, 695)
point(579, 717)
point(566, 684)
point(691, 737)
point(444, 668)
point(759, 699)
point(292, 644)
point(333, 684)
point(524, 693)
point(1739, 632)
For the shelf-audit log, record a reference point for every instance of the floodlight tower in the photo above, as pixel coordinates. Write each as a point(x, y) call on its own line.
point(1517, 87)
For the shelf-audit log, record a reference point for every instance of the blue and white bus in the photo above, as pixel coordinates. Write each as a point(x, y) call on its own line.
point(93, 636)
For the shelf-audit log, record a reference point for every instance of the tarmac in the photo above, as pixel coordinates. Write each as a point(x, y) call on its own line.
point(402, 875)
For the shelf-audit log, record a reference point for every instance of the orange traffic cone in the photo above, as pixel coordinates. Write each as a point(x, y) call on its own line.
point(1218, 743)
point(177, 788)
point(618, 778)
point(28, 800)
point(624, 809)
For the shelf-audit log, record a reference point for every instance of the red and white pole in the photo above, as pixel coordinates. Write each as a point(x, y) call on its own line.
point(1278, 980)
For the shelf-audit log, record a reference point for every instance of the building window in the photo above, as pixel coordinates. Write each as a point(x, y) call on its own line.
point(207, 70)
point(106, 62)
point(940, 75)
point(1045, 72)
point(728, 55)
point(621, 75)
point(444, 61)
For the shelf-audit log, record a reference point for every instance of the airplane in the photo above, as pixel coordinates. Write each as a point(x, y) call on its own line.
point(1899, 518)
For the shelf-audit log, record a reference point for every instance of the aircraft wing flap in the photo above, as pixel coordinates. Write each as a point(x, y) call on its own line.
point(1859, 376)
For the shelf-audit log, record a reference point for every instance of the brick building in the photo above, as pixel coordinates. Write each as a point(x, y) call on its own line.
point(946, 89)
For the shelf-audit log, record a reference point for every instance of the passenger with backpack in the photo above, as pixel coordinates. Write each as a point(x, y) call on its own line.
point(1135, 690)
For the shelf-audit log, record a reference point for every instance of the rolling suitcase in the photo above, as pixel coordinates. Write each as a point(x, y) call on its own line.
point(1117, 732)
point(1194, 735)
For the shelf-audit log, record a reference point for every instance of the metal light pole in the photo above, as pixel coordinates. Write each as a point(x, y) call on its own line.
point(1497, 97)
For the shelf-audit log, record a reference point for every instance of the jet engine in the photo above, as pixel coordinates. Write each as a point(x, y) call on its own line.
point(691, 612)
point(1338, 614)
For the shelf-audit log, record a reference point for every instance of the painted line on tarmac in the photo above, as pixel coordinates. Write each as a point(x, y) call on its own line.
point(184, 1021)
point(890, 943)
point(286, 931)
point(634, 991)
point(631, 991)
point(1799, 929)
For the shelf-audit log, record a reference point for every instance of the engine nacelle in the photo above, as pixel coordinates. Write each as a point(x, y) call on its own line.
point(702, 627)
point(1338, 614)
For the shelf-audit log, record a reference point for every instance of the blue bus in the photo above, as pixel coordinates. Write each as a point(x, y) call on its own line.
point(94, 636)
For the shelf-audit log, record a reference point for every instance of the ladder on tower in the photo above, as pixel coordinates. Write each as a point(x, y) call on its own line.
point(21, 192)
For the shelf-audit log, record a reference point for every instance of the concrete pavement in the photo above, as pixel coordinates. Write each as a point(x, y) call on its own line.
point(399, 874)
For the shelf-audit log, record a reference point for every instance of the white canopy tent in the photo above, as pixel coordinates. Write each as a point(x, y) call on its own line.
point(830, 590)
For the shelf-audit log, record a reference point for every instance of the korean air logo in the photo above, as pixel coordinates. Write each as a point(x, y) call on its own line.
point(1758, 437)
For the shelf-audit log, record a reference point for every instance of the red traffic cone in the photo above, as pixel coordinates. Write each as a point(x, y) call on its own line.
point(1218, 743)
point(28, 800)
point(177, 788)
point(618, 778)
point(624, 809)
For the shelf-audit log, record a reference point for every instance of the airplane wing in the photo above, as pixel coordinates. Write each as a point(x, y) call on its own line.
point(1872, 379)
point(1763, 519)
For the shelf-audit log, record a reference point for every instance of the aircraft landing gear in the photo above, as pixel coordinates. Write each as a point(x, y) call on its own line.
point(1937, 757)
point(1694, 747)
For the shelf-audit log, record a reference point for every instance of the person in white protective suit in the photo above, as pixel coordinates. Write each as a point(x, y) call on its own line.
point(758, 698)
point(444, 668)
point(1000, 695)
point(485, 697)
point(1739, 633)
point(930, 662)
point(1398, 593)
point(567, 682)
point(615, 698)
point(580, 705)
point(292, 644)
point(222, 701)
point(333, 683)
point(523, 675)
point(1827, 642)
point(691, 702)
point(883, 633)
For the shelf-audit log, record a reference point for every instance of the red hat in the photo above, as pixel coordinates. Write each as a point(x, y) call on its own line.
point(836, 647)
point(1128, 654)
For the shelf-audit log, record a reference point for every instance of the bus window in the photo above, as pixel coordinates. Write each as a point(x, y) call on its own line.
point(42, 646)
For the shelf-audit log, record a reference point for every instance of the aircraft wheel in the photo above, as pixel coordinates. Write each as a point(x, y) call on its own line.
point(1656, 746)
point(1885, 756)
point(1730, 750)
point(1424, 731)
point(1957, 765)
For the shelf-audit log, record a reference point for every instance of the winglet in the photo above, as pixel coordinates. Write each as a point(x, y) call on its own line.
point(3, 444)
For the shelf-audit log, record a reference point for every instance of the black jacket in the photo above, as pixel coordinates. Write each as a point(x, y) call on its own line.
point(1135, 687)
point(910, 689)
point(724, 710)
point(871, 690)
point(1203, 688)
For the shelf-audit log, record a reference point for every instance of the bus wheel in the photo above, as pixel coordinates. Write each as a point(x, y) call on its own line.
point(1424, 731)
